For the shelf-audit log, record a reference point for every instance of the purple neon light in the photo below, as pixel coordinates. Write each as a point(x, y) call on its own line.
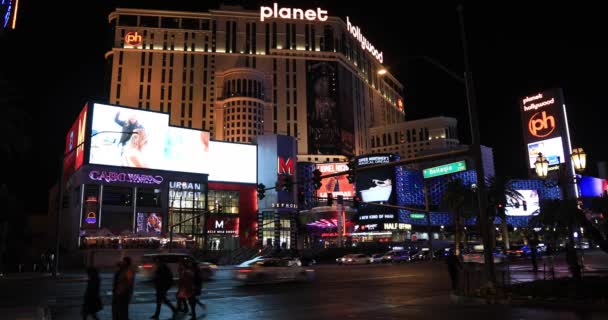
point(111, 176)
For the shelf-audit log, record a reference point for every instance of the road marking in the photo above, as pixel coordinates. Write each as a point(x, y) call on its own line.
point(374, 278)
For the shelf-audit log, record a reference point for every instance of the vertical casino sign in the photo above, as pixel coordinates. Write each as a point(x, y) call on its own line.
point(545, 126)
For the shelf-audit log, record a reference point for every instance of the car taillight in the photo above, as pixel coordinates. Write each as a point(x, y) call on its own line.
point(244, 270)
point(147, 265)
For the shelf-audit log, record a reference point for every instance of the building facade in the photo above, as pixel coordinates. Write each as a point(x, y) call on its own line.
point(238, 74)
point(412, 138)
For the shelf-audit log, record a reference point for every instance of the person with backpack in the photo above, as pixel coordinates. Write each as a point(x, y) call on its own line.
point(163, 279)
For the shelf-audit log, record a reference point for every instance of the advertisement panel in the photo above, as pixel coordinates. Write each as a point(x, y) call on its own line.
point(376, 186)
point(75, 139)
point(232, 162)
point(330, 118)
point(338, 186)
point(134, 138)
point(223, 225)
point(149, 222)
point(543, 121)
point(528, 205)
point(593, 187)
point(552, 149)
point(128, 137)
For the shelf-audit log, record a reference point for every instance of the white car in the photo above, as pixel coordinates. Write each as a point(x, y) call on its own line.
point(477, 257)
point(147, 267)
point(272, 270)
point(354, 259)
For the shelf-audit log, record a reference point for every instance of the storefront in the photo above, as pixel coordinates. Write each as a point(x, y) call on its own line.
point(133, 181)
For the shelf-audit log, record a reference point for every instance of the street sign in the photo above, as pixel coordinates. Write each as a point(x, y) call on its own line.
point(444, 169)
point(417, 215)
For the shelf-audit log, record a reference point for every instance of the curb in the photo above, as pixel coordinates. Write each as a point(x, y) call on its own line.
point(531, 302)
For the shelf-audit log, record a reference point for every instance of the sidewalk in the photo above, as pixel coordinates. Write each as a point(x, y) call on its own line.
point(25, 313)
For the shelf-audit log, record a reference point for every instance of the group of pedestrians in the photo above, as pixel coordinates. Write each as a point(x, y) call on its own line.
point(189, 289)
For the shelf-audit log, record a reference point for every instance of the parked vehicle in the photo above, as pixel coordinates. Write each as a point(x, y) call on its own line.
point(478, 257)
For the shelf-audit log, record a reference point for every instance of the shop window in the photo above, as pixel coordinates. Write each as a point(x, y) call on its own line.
point(148, 197)
point(117, 196)
point(223, 201)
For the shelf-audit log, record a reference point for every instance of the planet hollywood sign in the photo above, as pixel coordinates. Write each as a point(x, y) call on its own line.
point(275, 12)
point(112, 176)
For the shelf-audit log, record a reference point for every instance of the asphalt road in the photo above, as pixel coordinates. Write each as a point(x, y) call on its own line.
point(406, 291)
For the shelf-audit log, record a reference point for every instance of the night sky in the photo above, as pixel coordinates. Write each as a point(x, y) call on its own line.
point(516, 49)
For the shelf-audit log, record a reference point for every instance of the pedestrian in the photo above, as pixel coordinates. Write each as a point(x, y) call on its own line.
point(182, 304)
point(198, 285)
point(123, 290)
point(454, 267)
point(186, 287)
point(163, 279)
point(533, 243)
point(92, 300)
point(572, 260)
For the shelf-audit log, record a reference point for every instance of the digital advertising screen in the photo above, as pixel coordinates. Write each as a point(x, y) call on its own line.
point(141, 139)
point(592, 186)
point(516, 207)
point(149, 222)
point(128, 137)
point(376, 186)
point(337, 186)
point(74, 144)
point(232, 162)
point(552, 149)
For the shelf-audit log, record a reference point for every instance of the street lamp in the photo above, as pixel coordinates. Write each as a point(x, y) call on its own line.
point(579, 159)
point(382, 72)
point(541, 166)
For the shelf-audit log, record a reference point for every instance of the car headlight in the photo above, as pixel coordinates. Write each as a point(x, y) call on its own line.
point(349, 260)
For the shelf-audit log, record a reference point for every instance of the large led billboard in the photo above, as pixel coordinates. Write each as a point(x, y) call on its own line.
point(527, 205)
point(75, 139)
point(232, 162)
point(135, 138)
point(376, 186)
point(552, 149)
point(544, 126)
point(337, 186)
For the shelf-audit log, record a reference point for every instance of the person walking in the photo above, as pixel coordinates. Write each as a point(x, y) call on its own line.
point(163, 279)
point(454, 267)
point(123, 290)
point(92, 300)
point(186, 288)
point(198, 286)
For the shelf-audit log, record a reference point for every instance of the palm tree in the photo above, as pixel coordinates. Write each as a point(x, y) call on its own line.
point(499, 191)
point(454, 200)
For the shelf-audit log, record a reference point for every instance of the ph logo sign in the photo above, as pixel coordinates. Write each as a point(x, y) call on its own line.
point(133, 38)
point(541, 125)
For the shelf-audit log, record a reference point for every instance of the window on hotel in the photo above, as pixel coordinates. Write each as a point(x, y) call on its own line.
point(148, 21)
point(190, 24)
point(170, 23)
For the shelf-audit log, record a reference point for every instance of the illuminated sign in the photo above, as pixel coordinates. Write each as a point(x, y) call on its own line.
point(223, 225)
point(368, 227)
point(365, 44)
point(133, 38)
point(286, 166)
point(400, 104)
point(185, 185)
point(444, 169)
point(332, 234)
point(417, 215)
point(126, 137)
point(289, 13)
point(527, 205)
point(545, 127)
point(397, 226)
point(376, 216)
point(364, 161)
point(112, 176)
point(540, 125)
point(75, 140)
point(338, 185)
point(91, 218)
point(552, 149)
point(284, 205)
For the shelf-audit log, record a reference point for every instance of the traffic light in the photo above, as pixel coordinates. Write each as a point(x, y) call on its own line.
point(316, 179)
point(351, 172)
point(525, 205)
point(330, 199)
point(301, 197)
point(283, 183)
point(356, 201)
point(261, 191)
